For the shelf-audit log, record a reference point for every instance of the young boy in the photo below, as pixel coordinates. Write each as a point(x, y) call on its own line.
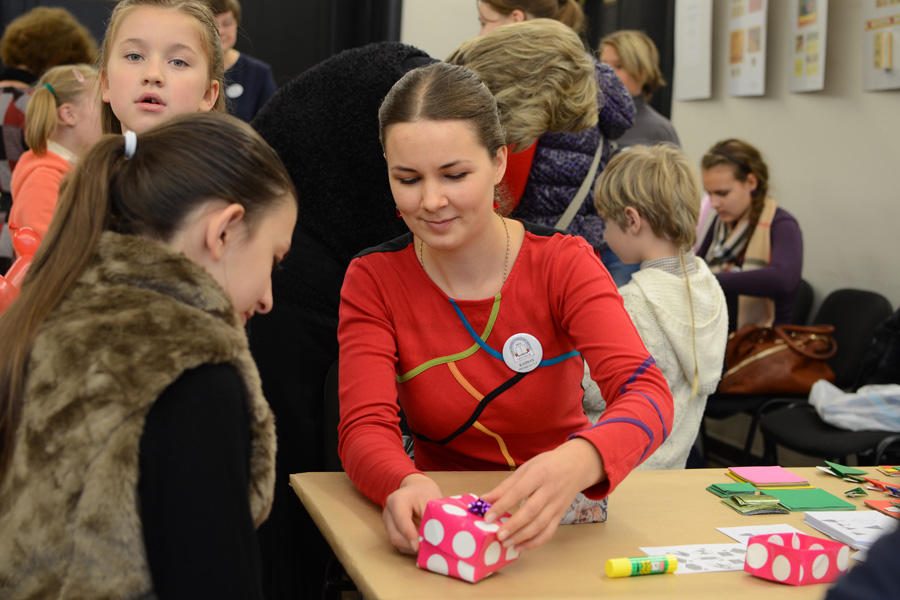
point(649, 198)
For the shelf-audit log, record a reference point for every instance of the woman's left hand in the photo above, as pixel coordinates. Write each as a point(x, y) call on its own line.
point(545, 487)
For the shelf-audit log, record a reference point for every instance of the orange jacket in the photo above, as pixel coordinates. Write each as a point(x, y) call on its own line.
point(35, 189)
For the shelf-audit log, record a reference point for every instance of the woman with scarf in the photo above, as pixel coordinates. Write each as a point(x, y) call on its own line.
point(754, 247)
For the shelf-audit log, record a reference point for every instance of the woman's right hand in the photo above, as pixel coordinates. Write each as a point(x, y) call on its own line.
point(404, 508)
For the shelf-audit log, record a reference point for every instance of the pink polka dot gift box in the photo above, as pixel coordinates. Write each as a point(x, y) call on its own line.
point(796, 558)
point(455, 540)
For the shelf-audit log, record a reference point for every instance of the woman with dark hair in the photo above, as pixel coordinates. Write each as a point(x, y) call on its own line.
point(754, 246)
point(137, 453)
point(424, 318)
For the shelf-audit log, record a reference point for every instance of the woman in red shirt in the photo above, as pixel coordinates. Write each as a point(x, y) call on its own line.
point(474, 325)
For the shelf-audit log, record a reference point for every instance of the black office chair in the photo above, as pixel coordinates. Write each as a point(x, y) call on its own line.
point(866, 354)
point(722, 406)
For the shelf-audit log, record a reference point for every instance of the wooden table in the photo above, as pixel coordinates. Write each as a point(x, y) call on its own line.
point(650, 508)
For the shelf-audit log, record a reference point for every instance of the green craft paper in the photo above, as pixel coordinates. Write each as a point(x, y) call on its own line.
point(843, 471)
point(759, 505)
point(810, 499)
point(723, 490)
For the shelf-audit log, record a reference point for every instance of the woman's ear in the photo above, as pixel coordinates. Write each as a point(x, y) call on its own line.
point(222, 228)
point(500, 160)
point(752, 182)
point(518, 16)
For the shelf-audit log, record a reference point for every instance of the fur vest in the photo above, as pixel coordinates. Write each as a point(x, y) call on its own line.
point(138, 317)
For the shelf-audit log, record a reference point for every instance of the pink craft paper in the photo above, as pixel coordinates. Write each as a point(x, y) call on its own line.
point(796, 558)
point(773, 475)
point(459, 543)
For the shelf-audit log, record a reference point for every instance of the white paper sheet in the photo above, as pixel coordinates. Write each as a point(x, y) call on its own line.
point(742, 534)
point(703, 558)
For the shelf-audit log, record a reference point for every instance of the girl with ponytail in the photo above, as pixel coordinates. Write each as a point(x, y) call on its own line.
point(136, 449)
point(61, 122)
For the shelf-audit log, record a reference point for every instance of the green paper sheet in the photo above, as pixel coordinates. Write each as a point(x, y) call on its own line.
point(843, 471)
point(810, 499)
point(723, 490)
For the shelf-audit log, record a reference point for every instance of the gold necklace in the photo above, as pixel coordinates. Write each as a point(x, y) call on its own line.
point(420, 246)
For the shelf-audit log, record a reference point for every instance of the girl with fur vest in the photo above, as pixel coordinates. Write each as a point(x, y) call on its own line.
point(137, 453)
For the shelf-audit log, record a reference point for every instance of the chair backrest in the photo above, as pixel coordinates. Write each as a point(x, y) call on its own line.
point(855, 314)
point(802, 303)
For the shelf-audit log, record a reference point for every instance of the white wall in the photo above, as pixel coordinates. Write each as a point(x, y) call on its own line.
point(834, 156)
point(438, 26)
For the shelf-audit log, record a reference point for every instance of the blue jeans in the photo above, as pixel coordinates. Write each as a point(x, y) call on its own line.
point(621, 273)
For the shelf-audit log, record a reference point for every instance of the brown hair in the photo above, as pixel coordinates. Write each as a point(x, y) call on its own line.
point(209, 33)
point(176, 168)
point(58, 86)
point(639, 57)
point(443, 92)
point(659, 183)
point(220, 7)
point(539, 73)
point(567, 12)
point(744, 160)
point(45, 37)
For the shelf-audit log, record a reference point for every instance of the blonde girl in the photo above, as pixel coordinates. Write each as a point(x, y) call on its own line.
point(159, 59)
point(62, 121)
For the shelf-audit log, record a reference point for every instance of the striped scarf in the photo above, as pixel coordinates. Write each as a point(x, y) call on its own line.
point(755, 246)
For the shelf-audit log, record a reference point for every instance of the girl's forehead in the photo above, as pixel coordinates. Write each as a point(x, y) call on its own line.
point(146, 21)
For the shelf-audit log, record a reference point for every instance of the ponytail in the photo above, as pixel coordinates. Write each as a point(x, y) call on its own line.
point(570, 13)
point(176, 168)
point(58, 86)
point(62, 257)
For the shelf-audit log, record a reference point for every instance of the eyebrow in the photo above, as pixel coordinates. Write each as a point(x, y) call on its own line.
point(177, 47)
point(449, 165)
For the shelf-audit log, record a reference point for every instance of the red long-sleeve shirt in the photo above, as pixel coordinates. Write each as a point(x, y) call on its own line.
point(394, 323)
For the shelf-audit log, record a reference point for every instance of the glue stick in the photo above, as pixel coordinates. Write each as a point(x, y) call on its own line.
point(641, 565)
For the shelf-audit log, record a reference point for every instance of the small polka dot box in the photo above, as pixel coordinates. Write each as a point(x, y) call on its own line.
point(454, 540)
point(795, 558)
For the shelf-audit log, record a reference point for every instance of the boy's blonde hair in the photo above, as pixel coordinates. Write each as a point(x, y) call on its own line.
point(539, 73)
point(58, 86)
point(639, 57)
point(660, 184)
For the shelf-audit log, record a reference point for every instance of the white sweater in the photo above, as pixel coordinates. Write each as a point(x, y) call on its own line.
point(658, 304)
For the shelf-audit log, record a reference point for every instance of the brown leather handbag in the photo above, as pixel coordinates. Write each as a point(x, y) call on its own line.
point(784, 359)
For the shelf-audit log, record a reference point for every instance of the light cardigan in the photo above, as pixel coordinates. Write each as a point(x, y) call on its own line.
point(658, 305)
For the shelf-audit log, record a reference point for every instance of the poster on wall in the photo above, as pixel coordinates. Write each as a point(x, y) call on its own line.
point(809, 27)
point(693, 49)
point(881, 45)
point(747, 47)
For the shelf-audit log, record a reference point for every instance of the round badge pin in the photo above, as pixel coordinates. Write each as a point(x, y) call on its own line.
point(522, 352)
point(235, 90)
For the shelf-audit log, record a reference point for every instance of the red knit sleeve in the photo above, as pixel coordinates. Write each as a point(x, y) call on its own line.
point(639, 408)
point(369, 438)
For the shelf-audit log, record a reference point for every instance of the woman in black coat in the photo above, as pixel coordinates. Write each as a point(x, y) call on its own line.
point(324, 126)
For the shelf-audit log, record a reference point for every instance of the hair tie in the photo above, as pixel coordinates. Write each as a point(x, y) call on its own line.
point(51, 90)
point(130, 143)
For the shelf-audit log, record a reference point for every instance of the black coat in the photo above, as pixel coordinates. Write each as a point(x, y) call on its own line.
point(324, 126)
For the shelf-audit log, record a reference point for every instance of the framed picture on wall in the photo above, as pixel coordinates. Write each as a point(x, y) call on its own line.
point(747, 47)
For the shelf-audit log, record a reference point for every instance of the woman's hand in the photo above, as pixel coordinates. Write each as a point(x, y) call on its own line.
point(404, 508)
point(545, 487)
